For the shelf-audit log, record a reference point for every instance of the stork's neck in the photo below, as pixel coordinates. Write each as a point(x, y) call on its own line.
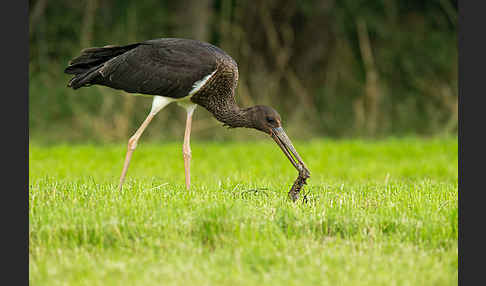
point(234, 116)
point(217, 96)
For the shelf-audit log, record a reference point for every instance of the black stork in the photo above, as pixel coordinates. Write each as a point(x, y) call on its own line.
point(184, 71)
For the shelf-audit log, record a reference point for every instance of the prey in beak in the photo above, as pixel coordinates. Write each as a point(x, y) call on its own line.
point(266, 119)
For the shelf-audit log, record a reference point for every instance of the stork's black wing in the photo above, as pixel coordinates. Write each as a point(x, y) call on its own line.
point(167, 67)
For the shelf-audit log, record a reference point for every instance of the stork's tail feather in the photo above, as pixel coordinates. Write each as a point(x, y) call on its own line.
point(85, 67)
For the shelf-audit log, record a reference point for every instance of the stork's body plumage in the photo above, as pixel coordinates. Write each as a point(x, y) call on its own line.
point(185, 71)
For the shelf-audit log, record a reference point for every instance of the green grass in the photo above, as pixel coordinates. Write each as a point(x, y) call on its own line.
point(377, 213)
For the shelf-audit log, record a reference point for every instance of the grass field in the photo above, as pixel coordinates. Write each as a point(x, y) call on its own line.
point(377, 213)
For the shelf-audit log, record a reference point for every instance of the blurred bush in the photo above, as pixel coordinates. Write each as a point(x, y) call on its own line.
point(348, 68)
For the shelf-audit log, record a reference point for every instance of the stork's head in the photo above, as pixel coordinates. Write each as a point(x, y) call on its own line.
point(267, 119)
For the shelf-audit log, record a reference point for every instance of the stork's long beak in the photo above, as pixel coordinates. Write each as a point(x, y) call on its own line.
point(283, 141)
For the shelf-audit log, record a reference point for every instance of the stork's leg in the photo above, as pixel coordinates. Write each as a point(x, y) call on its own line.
point(186, 148)
point(157, 104)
